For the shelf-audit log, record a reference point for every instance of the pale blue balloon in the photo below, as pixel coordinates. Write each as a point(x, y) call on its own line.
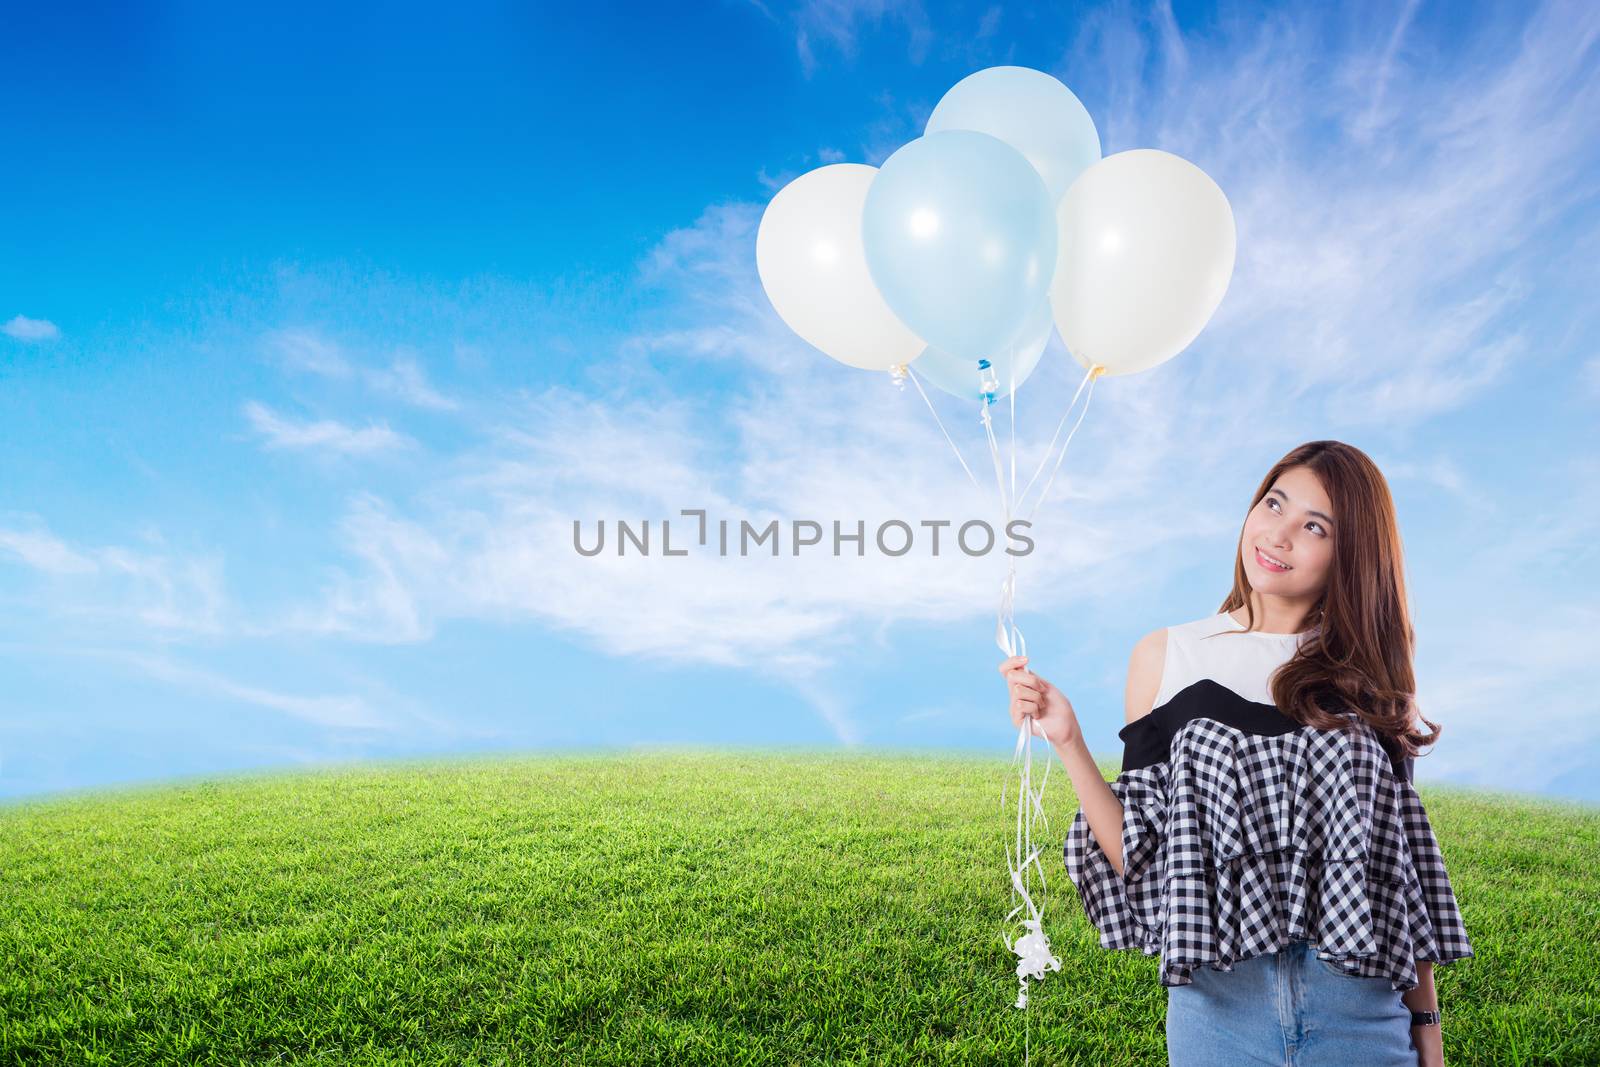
point(1030, 111)
point(960, 237)
point(1011, 365)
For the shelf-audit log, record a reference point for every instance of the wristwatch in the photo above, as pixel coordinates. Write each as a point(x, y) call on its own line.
point(1425, 1018)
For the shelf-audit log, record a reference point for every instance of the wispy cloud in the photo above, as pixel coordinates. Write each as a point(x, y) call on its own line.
point(1399, 211)
point(305, 350)
point(404, 378)
point(1517, 712)
point(796, 438)
point(1380, 284)
point(23, 328)
point(161, 591)
point(41, 550)
point(837, 25)
point(338, 711)
point(1384, 206)
point(1376, 80)
point(381, 602)
point(322, 435)
point(341, 711)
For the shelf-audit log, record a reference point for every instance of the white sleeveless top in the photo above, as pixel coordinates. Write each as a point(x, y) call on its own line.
point(1244, 830)
point(1244, 663)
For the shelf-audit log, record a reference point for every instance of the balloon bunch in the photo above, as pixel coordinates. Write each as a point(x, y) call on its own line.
point(956, 259)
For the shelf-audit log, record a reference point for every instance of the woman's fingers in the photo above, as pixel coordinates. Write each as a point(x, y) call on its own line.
point(1025, 686)
point(1011, 663)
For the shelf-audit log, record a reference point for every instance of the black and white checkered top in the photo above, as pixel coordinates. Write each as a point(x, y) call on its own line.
point(1243, 831)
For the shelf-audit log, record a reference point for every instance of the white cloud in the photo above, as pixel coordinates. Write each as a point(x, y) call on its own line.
point(25, 329)
point(1444, 472)
point(1489, 697)
point(1363, 126)
point(312, 352)
point(926, 715)
point(339, 711)
point(43, 551)
point(1380, 283)
point(837, 24)
point(323, 435)
point(801, 438)
point(405, 379)
point(381, 605)
point(169, 593)
point(306, 350)
point(1384, 205)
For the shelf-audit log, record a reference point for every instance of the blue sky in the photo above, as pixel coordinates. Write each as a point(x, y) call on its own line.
point(318, 330)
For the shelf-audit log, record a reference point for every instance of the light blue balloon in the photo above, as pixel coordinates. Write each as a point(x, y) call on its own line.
point(960, 239)
point(1012, 364)
point(1030, 111)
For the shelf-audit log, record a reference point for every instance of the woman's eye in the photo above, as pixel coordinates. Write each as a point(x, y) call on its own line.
point(1272, 502)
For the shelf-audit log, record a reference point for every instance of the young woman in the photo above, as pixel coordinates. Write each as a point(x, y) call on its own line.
point(1264, 837)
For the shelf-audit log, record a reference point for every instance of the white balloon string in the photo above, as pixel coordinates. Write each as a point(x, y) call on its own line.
point(1007, 635)
point(1016, 645)
point(1045, 459)
point(1011, 396)
point(1089, 381)
point(1032, 949)
point(914, 381)
point(994, 454)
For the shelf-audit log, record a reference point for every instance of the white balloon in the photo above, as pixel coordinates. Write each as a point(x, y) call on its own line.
point(813, 266)
point(1145, 254)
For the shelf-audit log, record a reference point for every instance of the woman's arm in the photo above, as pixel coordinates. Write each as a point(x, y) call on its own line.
point(1101, 808)
point(1428, 1039)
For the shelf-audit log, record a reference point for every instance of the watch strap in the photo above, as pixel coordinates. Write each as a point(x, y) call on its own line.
point(1425, 1018)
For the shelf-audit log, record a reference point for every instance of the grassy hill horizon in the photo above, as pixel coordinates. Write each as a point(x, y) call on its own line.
point(676, 906)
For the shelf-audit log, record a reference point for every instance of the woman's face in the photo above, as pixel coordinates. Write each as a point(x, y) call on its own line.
point(1293, 524)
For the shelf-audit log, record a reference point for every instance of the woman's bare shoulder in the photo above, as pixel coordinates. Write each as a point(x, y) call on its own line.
point(1144, 674)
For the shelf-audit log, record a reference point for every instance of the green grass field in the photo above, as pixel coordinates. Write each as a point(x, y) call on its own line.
point(661, 908)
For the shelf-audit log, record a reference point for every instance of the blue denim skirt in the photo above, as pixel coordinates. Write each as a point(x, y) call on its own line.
point(1287, 1009)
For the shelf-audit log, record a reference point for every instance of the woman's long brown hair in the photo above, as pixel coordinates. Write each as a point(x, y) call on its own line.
point(1360, 659)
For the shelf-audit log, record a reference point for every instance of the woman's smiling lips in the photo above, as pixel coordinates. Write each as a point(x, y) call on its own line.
point(1267, 563)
